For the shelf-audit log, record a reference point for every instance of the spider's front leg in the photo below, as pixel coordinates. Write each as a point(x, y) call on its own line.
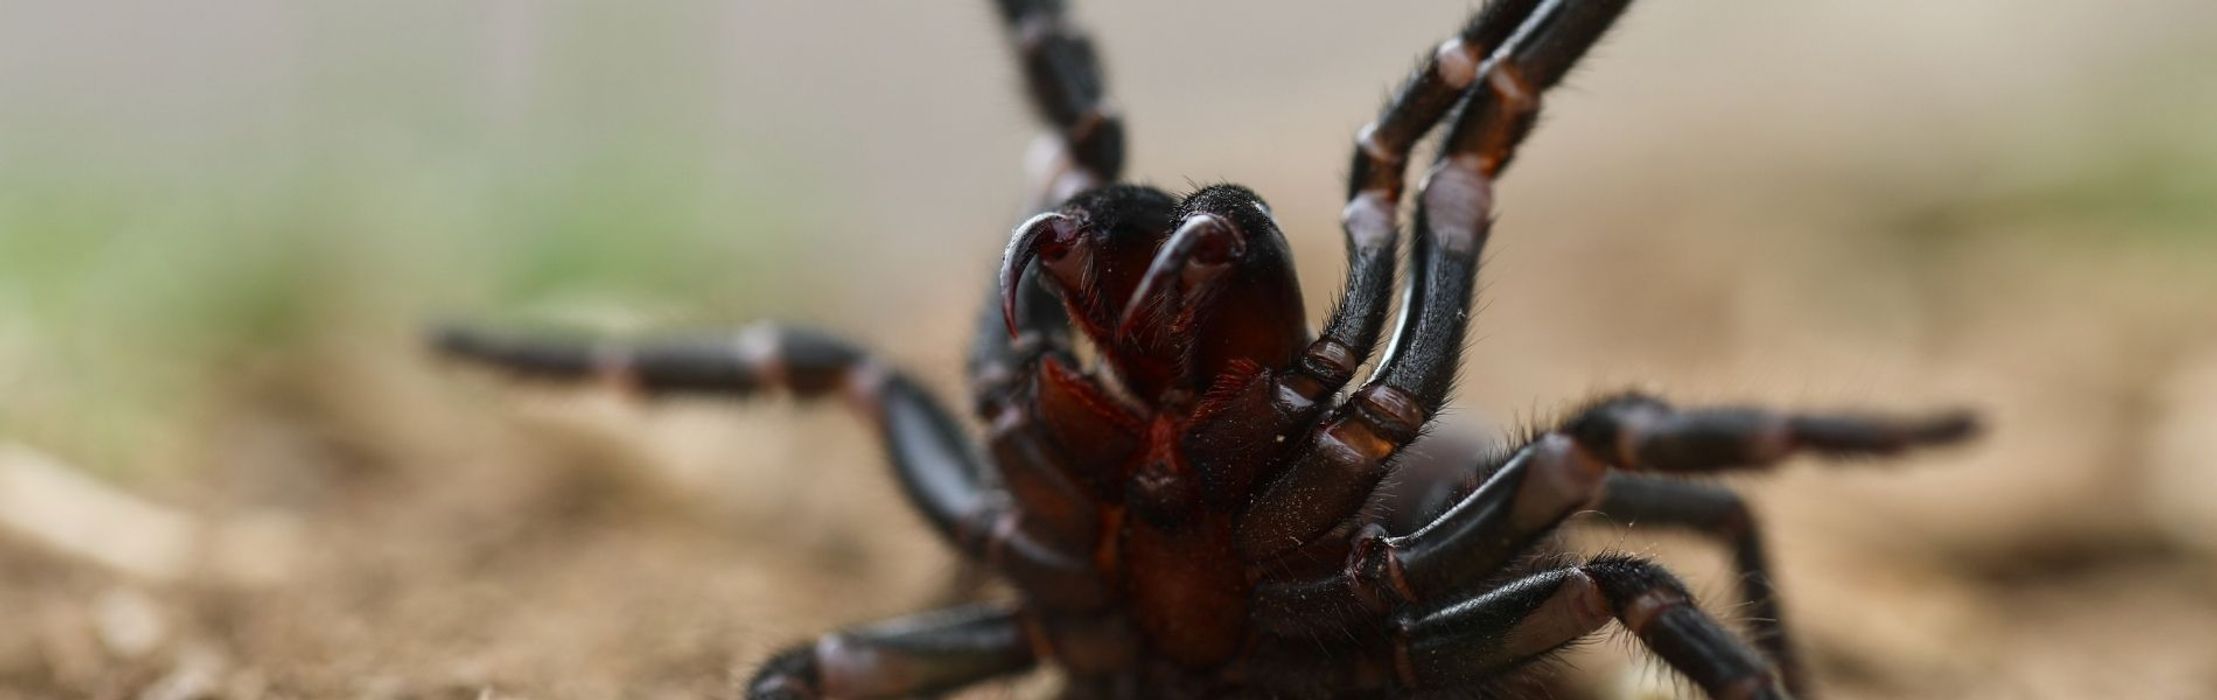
point(1341, 461)
point(919, 655)
point(1062, 75)
point(1274, 407)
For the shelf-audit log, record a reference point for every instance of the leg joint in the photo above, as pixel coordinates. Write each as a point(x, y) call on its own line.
point(1637, 589)
point(1374, 572)
point(1393, 412)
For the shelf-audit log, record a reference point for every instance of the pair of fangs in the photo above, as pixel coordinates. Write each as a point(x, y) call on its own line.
point(1186, 267)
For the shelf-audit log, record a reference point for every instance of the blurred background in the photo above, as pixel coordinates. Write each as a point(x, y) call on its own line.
point(227, 469)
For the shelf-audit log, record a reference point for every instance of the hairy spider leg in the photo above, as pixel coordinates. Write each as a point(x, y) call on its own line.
point(936, 464)
point(1563, 472)
point(1344, 458)
point(1720, 514)
point(1062, 74)
point(919, 655)
point(1644, 433)
point(1255, 416)
point(1375, 184)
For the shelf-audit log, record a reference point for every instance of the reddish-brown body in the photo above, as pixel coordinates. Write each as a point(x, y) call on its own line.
point(1184, 323)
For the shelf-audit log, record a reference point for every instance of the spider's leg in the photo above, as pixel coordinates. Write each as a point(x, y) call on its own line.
point(937, 466)
point(1720, 514)
point(1344, 457)
point(1472, 641)
point(1287, 402)
point(931, 455)
point(1375, 186)
point(1062, 74)
point(923, 654)
point(1546, 482)
point(1640, 433)
point(1522, 500)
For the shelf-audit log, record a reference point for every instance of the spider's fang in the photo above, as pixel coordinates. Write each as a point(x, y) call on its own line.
point(1202, 248)
point(1023, 248)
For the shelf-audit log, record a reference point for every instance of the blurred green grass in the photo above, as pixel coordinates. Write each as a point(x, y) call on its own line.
point(127, 298)
point(248, 179)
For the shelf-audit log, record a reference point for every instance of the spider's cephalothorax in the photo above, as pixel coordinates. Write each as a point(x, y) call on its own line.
point(1203, 509)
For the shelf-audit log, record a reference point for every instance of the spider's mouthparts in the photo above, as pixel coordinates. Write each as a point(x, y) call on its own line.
point(1195, 255)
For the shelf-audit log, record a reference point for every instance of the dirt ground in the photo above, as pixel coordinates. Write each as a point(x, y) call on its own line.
point(384, 527)
point(343, 517)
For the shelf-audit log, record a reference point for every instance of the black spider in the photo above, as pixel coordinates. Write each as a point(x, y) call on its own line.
point(1199, 513)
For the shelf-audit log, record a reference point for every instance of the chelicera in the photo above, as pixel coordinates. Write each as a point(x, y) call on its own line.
point(1199, 507)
